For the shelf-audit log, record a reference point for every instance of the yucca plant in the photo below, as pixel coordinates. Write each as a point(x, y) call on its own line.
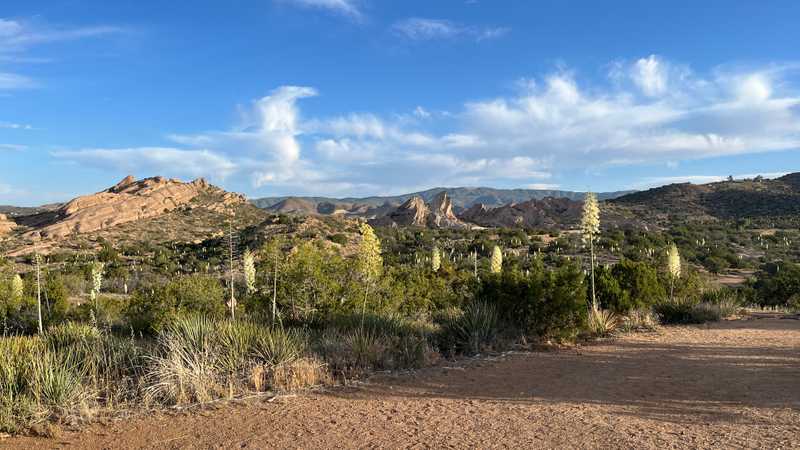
point(469, 331)
point(276, 346)
point(602, 322)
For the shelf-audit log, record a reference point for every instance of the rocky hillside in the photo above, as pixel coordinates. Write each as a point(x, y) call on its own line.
point(462, 198)
point(735, 199)
point(127, 201)
point(545, 213)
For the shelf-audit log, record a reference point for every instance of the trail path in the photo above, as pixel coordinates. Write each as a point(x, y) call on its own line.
point(733, 384)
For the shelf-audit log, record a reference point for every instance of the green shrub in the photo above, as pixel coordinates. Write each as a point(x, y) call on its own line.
point(777, 284)
point(150, 309)
point(628, 285)
point(544, 303)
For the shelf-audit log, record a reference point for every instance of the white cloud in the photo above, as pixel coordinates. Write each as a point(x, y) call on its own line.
point(348, 8)
point(153, 160)
point(551, 124)
point(423, 29)
point(650, 75)
point(542, 186)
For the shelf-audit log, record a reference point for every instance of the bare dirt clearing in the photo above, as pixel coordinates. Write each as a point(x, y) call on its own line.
point(729, 384)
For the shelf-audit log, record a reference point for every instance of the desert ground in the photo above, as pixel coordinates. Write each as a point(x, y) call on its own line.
point(732, 384)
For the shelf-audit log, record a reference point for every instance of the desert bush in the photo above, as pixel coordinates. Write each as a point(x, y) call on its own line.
point(544, 303)
point(149, 309)
point(776, 284)
point(628, 285)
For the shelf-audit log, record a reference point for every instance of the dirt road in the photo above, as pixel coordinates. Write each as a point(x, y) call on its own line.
point(733, 384)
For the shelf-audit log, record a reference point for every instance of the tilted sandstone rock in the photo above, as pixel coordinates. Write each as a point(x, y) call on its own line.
point(127, 201)
point(415, 212)
point(442, 215)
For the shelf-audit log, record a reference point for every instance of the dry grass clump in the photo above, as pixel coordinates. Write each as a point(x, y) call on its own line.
point(299, 374)
point(602, 322)
point(641, 319)
point(201, 360)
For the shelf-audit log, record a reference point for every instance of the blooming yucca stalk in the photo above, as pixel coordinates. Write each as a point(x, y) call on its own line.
point(17, 287)
point(674, 268)
point(590, 228)
point(436, 259)
point(97, 282)
point(497, 260)
point(370, 262)
point(249, 263)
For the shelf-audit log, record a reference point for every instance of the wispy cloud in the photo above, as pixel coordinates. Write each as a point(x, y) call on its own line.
point(15, 126)
point(18, 37)
point(422, 29)
point(11, 81)
point(12, 147)
point(346, 8)
point(178, 162)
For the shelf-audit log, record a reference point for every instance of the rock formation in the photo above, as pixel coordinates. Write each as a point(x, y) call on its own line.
point(548, 212)
point(415, 212)
point(6, 225)
point(127, 201)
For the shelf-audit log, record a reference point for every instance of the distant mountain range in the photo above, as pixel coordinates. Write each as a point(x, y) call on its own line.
point(756, 198)
point(462, 198)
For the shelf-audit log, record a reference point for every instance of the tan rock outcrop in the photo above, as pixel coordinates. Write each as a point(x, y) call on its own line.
point(127, 201)
point(415, 212)
point(6, 225)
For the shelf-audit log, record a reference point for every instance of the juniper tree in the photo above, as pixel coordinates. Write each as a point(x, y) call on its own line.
point(590, 228)
point(497, 260)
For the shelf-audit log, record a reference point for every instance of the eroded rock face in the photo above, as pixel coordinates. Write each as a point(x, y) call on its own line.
point(6, 225)
point(415, 212)
point(127, 201)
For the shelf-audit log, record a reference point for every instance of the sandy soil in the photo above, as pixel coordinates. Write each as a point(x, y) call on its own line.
point(734, 384)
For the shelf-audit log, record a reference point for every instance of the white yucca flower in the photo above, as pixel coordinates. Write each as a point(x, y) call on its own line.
point(590, 220)
point(436, 259)
point(97, 279)
point(590, 228)
point(249, 262)
point(674, 268)
point(674, 261)
point(497, 260)
point(17, 287)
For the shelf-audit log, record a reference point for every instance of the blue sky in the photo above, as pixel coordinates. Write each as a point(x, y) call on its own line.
point(364, 97)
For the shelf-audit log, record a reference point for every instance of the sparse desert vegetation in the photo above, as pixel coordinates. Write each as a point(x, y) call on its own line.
point(130, 325)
